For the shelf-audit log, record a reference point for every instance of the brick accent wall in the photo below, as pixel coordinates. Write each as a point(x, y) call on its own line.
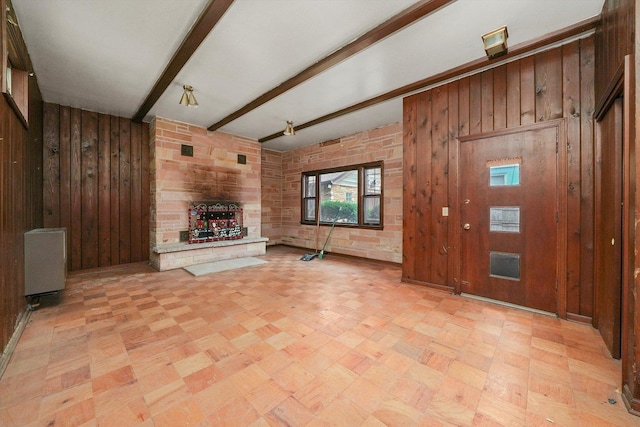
point(378, 144)
point(212, 174)
point(272, 195)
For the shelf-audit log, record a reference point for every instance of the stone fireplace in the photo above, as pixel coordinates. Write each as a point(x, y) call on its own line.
point(190, 164)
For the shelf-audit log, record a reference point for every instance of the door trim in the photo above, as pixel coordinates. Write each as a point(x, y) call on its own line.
point(628, 305)
point(600, 219)
point(561, 206)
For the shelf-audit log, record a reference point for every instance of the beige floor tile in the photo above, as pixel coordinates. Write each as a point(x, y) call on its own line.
point(343, 412)
point(394, 412)
point(339, 342)
point(267, 396)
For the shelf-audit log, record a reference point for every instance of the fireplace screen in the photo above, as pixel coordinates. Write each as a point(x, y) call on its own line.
point(209, 222)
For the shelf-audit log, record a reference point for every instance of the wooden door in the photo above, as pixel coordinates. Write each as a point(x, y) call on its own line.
point(608, 239)
point(508, 217)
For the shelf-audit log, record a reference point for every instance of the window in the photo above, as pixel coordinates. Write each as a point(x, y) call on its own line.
point(504, 265)
point(504, 219)
point(504, 175)
point(309, 198)
point(350, 196)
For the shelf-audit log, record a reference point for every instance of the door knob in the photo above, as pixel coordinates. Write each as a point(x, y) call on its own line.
point(467, 226)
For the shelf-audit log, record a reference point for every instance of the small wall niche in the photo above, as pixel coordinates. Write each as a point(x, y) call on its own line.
point(186, 150)
point(18, 91)
point(17, 66)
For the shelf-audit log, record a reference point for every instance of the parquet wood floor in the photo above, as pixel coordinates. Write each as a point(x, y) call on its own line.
point(294, 343)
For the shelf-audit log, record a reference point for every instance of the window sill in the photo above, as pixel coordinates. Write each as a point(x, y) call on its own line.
point(329, 224)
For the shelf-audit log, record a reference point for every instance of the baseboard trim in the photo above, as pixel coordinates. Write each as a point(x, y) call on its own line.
point(508, 304)
point(336, 254)
point(23, 319)
point(108, 269)
point(429, 285)
point(632, 403)
point(580, 318)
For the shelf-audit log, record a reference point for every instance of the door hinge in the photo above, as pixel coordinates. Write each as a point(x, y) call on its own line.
point(556, 285)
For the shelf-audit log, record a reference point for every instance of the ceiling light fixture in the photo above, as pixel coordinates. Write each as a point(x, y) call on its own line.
point(11, 21)
point(289, 130)
point(188, 99)
point(495, 42)
point(10, 18)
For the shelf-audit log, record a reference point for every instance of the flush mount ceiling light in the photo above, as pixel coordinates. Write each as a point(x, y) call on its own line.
point(10, 19)
point(495, 42)
point(289, 130)
point(188, 99)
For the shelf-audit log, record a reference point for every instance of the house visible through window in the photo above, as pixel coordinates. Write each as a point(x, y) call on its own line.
point(350, 195)
point(504, 175)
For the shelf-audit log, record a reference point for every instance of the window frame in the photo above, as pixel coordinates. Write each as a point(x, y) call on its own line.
point(361, 195)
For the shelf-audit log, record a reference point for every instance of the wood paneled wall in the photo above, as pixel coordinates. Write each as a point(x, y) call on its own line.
point(96, 184)
point(614, 39)
point(20, 182)
point(20, 202)
point(557, 83)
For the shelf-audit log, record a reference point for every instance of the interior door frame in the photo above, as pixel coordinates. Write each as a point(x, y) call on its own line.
point(600, 219)
point(455, 226)
point(629, 241)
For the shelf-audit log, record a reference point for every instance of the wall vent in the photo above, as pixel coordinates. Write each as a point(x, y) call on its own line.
point(186, 150)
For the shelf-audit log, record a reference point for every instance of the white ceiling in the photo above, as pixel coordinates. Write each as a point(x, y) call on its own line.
point(106, 55)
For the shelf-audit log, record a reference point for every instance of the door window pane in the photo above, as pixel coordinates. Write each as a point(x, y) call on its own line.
point(504, 175)
point(504, 219)
point(504, 265)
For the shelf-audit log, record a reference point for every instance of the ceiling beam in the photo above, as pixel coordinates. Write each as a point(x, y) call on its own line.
point(407, 17)
point(209, 17)
point(469, 67)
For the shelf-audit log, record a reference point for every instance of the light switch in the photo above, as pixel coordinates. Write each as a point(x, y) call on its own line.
point(445, 211)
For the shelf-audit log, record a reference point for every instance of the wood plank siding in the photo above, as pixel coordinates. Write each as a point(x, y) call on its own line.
point(614, 39)
point(616, 75)
point(20, 177)
point(20, 202)
point(96, 184)
point(553, 84)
